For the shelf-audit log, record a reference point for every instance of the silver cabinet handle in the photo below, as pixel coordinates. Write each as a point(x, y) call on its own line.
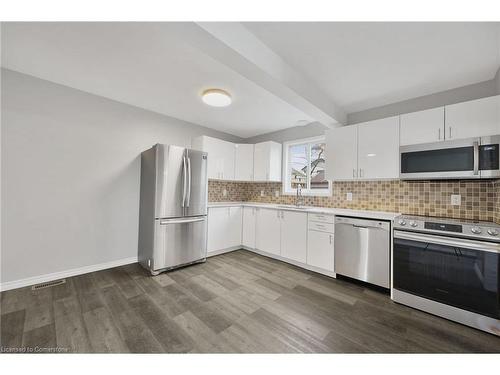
point(476, 157)
point(450, 131)
point(181, 221)
point(439, 133)
point(282, 215)
point(330, 239)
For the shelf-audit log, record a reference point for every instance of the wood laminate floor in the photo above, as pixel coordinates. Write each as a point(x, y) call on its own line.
point(238, 302)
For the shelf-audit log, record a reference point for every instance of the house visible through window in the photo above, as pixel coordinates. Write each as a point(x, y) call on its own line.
point(305, 165)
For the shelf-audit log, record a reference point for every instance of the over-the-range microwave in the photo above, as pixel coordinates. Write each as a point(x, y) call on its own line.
point(463, 158)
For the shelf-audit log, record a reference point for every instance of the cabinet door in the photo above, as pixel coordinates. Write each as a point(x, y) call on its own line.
point(228, 153)
point(248, 233)
point(234, 222)
point(268, 230)
point(275, 156)
point(294, 235)
point(422, 127)
point(243, 167)
point(341, 153)
point(217, 228)
point(475, 118)
point(260, 166)
point(320, 250)
point(267, 161)
point(378, 149)
point(220, 157)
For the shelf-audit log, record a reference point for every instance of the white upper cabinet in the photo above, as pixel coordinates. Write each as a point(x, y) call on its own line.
point(294, 235)
point(342, 153)
point(475, 118)
point(267, 161)
point(422, 127)
point(243, 165)
point(248, 232)
point(378, 149)
point(221, 156)
point(268, 231)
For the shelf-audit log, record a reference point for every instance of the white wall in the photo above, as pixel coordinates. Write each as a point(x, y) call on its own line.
point(70, 175)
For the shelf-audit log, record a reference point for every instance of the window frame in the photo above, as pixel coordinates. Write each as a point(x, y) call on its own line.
point(286, 183)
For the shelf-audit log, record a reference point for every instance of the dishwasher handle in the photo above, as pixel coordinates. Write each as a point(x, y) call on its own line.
point(362, 223)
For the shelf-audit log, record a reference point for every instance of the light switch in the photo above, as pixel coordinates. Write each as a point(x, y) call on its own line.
point(262, 193)
point(224, 193)
point(456, 199)
point(349, 196)
point(277, 193)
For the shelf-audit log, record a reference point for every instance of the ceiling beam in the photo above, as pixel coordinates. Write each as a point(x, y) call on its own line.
point(236, 47)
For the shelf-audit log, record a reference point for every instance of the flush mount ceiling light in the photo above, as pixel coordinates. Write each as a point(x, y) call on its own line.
point(216, 98)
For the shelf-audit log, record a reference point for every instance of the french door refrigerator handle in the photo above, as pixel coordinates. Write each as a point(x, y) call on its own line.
point(188, 194)
point(184, 183)
point(182, 220)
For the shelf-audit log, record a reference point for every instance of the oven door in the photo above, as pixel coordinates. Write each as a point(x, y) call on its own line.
point(440, 160)
point(457, 272)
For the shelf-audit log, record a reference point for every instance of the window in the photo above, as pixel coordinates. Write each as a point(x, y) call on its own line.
point(304, 164)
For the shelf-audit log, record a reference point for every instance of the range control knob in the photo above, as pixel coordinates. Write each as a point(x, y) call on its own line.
point(413, 223)
point(493, 232)
point(402, 222)
point(476, 230)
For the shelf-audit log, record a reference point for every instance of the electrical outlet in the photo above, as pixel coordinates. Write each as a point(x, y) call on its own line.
point(262, 193)
point(277, 193)
point(349, 196)
point(456, 199)
point(224, 192)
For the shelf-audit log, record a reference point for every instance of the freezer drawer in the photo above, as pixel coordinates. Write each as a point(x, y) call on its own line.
point(179, 241)
point(362, 249)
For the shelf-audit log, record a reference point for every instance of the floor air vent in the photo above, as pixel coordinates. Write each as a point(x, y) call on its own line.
point(48, 284)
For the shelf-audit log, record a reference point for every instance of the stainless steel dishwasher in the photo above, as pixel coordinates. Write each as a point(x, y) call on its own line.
point(362, 248)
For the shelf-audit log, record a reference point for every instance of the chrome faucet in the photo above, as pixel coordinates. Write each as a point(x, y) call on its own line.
point(299, 201)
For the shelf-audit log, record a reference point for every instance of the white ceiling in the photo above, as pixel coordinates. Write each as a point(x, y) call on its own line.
point(366, 65)
point(142, 64)
point(353, 66)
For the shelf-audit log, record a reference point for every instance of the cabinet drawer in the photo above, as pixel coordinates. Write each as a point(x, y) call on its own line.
point(323, 227)
point(321, 218)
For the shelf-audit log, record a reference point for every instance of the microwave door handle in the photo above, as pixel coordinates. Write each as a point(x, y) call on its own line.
point(476, 158)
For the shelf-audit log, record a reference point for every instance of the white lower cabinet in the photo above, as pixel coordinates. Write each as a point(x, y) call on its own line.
point(294, 235)
point(224, 228)
point(300, 237)
point(268, 231)
point(320, 250)
point(248, 231)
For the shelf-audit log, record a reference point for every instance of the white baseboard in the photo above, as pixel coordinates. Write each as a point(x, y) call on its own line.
point(62, 274)
point(277, 257)
point(223, 251)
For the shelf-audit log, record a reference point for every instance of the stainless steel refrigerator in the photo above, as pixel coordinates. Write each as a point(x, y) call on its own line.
point(173, 208)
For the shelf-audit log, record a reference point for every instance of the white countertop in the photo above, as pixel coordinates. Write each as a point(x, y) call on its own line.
point(380, 215)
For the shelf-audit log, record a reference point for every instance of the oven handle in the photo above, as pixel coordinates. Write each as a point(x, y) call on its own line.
point(439, 240)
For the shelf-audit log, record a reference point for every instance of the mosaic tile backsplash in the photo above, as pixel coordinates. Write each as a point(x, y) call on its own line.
point(480, 199)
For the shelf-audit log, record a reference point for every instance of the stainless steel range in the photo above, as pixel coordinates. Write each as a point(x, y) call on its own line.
point(449, 268)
